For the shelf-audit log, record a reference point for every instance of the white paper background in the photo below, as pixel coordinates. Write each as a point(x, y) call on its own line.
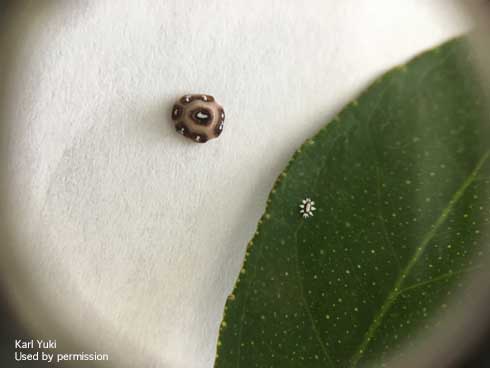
point(131, 235)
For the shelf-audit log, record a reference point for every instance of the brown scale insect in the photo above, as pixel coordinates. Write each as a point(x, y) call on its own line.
point(198, 117)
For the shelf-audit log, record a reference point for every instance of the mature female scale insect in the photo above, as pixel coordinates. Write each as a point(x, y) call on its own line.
point(307, 207)
point(198, 117)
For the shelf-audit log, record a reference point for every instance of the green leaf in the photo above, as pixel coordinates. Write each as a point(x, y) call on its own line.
point(400, 180)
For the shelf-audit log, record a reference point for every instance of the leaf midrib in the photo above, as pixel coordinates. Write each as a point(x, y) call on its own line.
point(395, 292)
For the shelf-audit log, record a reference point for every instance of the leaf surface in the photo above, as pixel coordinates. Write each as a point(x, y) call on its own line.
point(400, 180)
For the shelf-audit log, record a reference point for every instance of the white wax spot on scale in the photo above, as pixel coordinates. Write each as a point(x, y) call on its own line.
point(202, 115)
point(125, 223)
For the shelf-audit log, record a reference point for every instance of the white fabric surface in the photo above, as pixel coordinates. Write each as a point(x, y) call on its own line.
point(132, 236)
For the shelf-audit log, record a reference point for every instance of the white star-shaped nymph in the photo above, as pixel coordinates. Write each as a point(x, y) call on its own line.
point(307, 207)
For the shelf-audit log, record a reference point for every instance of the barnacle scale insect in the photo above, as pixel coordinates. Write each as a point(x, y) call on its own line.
point(307, 207)
point(198, 117)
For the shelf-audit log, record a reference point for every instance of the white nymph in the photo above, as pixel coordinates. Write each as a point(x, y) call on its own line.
point(307, 207)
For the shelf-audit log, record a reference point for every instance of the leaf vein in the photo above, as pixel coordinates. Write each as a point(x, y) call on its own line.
point(305, 302)
point(438, 278)
point(395, 292)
